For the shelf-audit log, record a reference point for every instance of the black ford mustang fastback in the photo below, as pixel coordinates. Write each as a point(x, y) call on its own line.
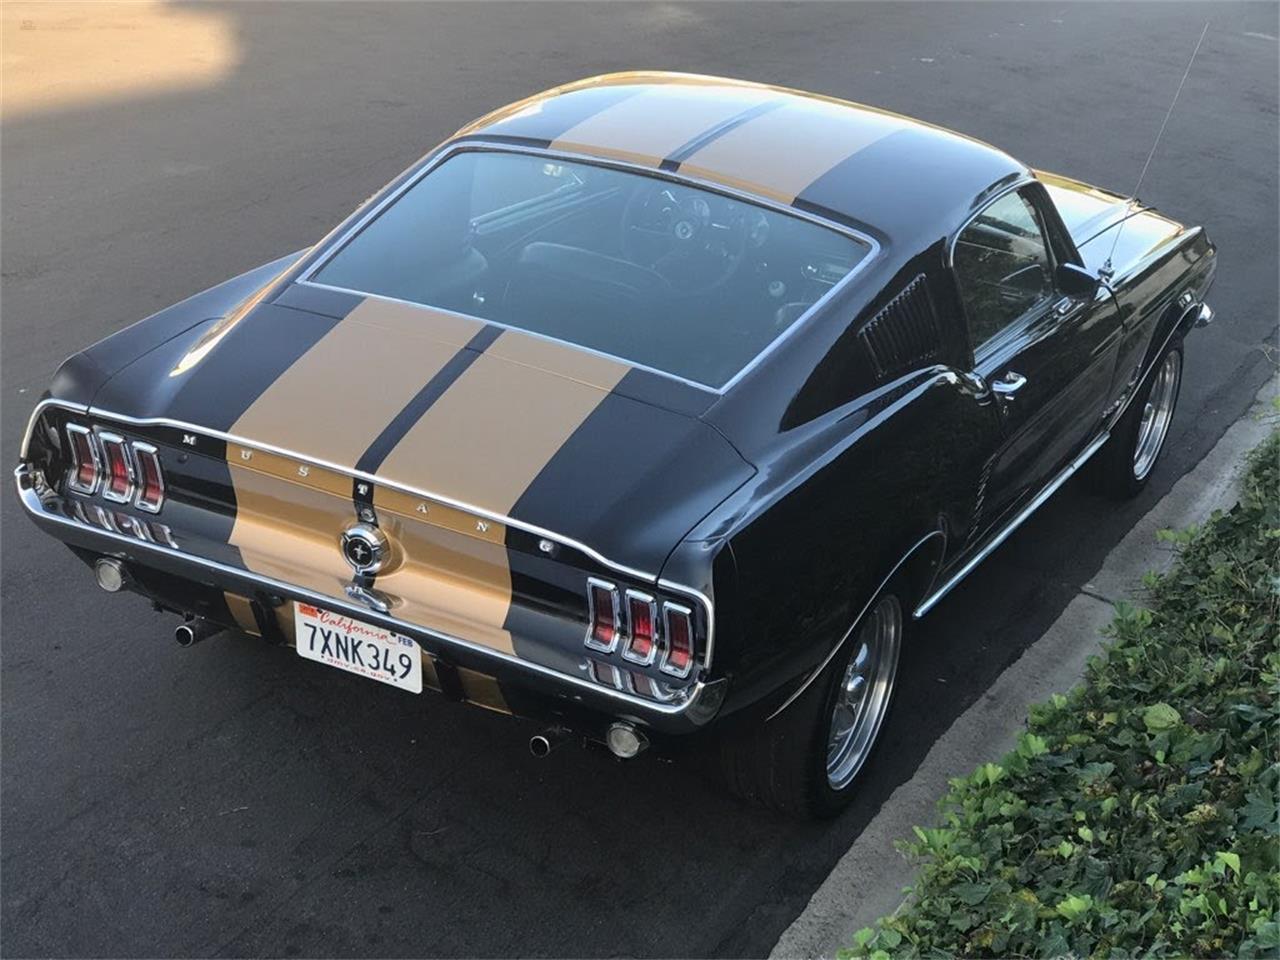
point(647, 405)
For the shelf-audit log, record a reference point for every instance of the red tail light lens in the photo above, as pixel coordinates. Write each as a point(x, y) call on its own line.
point(150, 480)
point(118, 484)
point(603, 615)
point(86, 464)
point(677, 659)
point(629, 621)
point(641, 644)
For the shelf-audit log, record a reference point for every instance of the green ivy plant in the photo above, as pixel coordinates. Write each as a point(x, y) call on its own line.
point(1138, 815)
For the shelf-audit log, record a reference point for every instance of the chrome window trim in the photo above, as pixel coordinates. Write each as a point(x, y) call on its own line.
point(589, 641)
point(687, 613)
point(72, 481)
point(108, 438)
point(991, 344)
point(662, 582)
point(629, 634)
point(335, 245)
point(33, 505)
point(1020, 183)
point(141, 450)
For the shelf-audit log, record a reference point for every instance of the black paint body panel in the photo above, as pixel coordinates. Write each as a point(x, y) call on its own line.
point(789, 499)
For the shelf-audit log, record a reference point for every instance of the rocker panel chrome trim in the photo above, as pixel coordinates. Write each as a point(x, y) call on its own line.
point(990, 546)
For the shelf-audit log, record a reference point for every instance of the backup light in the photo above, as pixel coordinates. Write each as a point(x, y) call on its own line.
point(110, 574)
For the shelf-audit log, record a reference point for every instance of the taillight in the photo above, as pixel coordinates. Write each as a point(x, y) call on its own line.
point(85, 463)
point(120, 470)
point(677, 658)
point(118, 483)
point(641, 644)
point(645, 630)
point(150, 480)
point(603, 616)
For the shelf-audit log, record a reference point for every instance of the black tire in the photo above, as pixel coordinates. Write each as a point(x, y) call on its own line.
point(1116, 470)
point(782, 763)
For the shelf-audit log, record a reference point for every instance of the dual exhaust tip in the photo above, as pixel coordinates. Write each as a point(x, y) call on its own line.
point(623, 740)
point(191, 632)
point(113, 576)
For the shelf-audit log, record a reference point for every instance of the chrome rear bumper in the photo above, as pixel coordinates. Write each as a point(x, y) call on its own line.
point(52, 514)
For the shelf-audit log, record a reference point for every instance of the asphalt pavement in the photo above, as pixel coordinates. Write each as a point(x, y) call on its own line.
point(232, 799)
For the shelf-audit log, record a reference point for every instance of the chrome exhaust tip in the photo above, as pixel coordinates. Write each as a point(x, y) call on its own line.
point(110, 574)
point(191, 632)
point(541, 744)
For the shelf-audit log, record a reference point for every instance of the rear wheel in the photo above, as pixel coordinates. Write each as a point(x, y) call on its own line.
point(805, 760)
point(1122, 467)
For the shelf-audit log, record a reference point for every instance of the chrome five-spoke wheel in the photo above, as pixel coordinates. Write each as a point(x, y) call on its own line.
point(1156, 414)
point(862, 699)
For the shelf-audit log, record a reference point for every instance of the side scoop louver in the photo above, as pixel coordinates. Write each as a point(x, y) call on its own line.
point(904, 334)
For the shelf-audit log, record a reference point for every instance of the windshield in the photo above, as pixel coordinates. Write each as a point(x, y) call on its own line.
point(682, 280)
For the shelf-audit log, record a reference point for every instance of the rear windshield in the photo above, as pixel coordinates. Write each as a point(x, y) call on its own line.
point(685, 281)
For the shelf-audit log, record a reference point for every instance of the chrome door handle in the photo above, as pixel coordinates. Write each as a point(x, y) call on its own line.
point(1008, 385)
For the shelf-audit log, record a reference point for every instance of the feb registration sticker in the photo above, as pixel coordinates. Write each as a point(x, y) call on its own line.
point(343, 642)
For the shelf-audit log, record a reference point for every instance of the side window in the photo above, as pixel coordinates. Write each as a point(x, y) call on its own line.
point(1002, 265)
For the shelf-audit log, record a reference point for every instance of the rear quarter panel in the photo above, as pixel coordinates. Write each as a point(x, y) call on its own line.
point(811, 538)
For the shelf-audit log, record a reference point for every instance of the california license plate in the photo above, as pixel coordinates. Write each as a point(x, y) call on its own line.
point(360, 648)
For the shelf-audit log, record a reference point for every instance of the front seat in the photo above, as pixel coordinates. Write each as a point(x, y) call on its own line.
point(589, 298)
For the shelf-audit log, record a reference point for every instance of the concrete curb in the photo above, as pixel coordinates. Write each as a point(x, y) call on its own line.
point(867, 883)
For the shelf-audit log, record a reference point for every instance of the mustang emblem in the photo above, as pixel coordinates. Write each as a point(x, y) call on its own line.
point(364, 546)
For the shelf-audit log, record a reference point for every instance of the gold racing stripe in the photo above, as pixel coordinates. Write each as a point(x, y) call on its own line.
point(288, 527)
point(450, 572)
point(311, 407)
point(290, 514)
point(242, 612)
point(649, 127)
point(764, 155)
point(482, 690)
point(482, 443)
point(493, 431)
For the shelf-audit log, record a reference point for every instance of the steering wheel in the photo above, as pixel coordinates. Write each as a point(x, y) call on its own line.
point(678, 233)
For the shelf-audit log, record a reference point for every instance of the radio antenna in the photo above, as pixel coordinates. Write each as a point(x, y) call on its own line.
point(1108, 270)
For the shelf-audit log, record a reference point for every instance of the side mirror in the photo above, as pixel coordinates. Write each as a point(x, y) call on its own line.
point(1076, 282)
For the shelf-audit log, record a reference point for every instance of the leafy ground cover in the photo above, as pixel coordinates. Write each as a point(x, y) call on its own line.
point(1138, 814)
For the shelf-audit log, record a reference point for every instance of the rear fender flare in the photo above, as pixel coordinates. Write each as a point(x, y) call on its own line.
point(919, 567)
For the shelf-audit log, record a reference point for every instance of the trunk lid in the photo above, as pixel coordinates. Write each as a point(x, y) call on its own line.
point(480, 420)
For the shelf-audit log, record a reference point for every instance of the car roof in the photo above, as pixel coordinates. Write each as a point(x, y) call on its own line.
point(868, 168)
